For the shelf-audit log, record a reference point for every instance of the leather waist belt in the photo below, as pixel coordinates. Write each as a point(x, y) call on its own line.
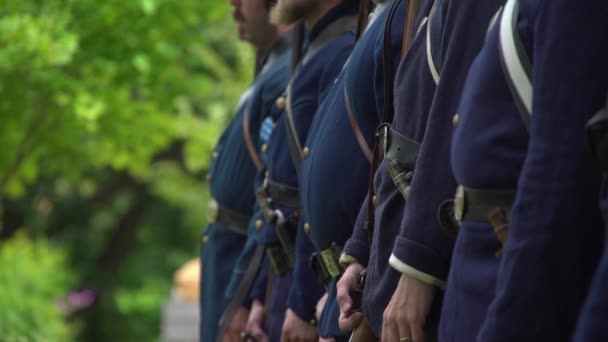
point(271, 194)
point(326, 264)
point(279, 259)
point(283, 194)
point(233, 220)
point(478, 205)
point(492, 206)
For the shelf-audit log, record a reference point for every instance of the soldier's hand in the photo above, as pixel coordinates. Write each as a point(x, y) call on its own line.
point(320, 307)
point(238, 325)
point(328, 339)
point(255, 323)
point(297, 330)
point(406, 313)
point(347, 284)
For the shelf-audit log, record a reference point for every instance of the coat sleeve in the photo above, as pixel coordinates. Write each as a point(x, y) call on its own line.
point(423, 249)
point(306, 290)
point(555, 231)
point(357, 247)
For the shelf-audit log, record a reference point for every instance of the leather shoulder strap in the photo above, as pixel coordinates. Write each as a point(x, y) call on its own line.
point(365, 149)
point(241, 292)
point(410, 18)
point(253, 153)
point(331, 32)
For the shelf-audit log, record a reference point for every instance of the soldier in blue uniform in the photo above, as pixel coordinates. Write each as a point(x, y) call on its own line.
point(531, 230)
point(360, 253)
point(248, 264)
point(329, 38)
point(233, 168)
point(422, 175)
point(335, 175)
point(422, 250)
point(592, 321)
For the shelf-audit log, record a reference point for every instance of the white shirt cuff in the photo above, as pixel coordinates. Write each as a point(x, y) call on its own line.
point(346, 260)
point(414, 273)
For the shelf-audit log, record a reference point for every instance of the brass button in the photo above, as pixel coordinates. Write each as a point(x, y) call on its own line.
point(264, 148)
point(259, 224)
point(455, 120)
point(280, 102)
point(213, 211)
point(305, 152)
point(375, 201)
point(205, 240)
point(215, 154)
point(313, 322)
point(306, 228)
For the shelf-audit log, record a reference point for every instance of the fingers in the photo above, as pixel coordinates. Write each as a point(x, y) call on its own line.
point(320, 307)
point(344, 287)
point(415, 326)
point(396, 323)
point(296, 330)
point(388, 328)
point(403, 331)
point(285, 335)
point(232, 336)
point(417, 333)
point(344, 300)
point(350, 322)
point(258, 333)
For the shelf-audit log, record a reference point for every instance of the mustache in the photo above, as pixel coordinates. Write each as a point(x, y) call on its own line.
point(237, 15)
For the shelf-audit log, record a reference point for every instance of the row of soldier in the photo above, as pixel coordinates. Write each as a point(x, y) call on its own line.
point(411, 170)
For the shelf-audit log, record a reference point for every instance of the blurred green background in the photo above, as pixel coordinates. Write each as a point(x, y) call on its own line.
point(108, 113)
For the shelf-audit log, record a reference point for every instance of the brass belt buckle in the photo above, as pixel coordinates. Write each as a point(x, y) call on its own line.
point(213, 211)
point(459, 204)
point(330, 261)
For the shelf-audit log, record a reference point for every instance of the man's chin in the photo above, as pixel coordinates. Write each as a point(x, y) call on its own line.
point(241, 31)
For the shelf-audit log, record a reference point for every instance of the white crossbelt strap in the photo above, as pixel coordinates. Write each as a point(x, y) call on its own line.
point(515, 61)
point(429, 52)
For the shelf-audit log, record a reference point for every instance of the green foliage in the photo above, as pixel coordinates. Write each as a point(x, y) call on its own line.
point(34, 275)
point(108, 116)
point(94, 84)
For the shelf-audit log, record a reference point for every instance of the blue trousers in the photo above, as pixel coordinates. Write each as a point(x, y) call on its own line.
point(218, 258)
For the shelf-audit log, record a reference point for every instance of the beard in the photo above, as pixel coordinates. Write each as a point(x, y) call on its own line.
point(287, 12)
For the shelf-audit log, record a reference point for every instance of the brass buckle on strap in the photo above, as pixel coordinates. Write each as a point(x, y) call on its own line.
point(459, 204)
point(264, 202)
point(331, 262)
